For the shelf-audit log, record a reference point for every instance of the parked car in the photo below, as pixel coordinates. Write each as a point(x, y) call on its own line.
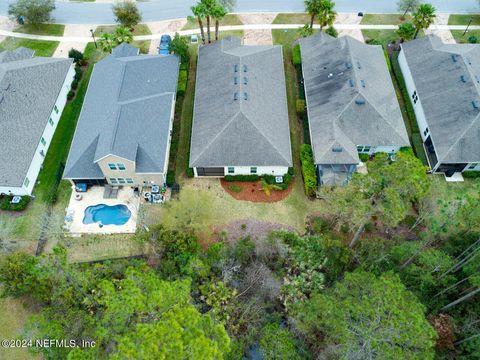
point(164, 48)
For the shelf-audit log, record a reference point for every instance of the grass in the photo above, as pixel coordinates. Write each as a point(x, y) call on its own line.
point(462, 19)
point(41, 48)
point(384, 36)
point(230, 19)
point(384, 19)
point(93, 54)
point(41, 29)
point(460, 38)
point(292, 18)
point(140, 29)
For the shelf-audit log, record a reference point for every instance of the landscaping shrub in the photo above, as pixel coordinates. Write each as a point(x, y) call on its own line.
point(190, 172)
point(76, 55)
point(332, 31)
point(70, 95)
point(170, 178)
point(251, 178)
point(300, 107)
point(296, 55)
point(270, 179)
point(291, 171)
point(78, 73)
point(418, 147)
point(74, 85)
point(364, 157)
point(182, 82)
point(184, 66)
point(308, 169)
point(471, 174)
point(235, 188)
point(5, 203)
point(472, 39)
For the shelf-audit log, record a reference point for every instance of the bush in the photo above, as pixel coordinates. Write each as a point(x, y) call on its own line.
point(235, 188)
point(472, 39)
point(373, 42)
point(291, 171)
point(70, 95)
point(78, 73)
point(300, 107)
point(5, 203)
point(170, 178)
point(182, 82)
point(296, 55)
point(250, 178)
point(76, 55)
point(190, 172)
point(74, 85)
point(364, 157)
point(332, 31)
point(308, 170)
point(471, 174)
point(184, 66)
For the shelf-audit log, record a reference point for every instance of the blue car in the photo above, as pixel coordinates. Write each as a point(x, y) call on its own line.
point(164, 48)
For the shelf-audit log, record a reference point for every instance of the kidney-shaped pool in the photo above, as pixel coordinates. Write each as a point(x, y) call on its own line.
point(107, 215)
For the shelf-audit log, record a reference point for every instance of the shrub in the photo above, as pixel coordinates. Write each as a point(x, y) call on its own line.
point(190, 172)
point(74, 85)
point(6, 205)
point(70, 95)
point(170, 178)
point(235, 188)
point(182, 82)
point(373, 42)
point(296, 55)
point(251, 178)
point(363, 157)
point(270, 179)
point(308, 169)
point(332, 31)
point(76, 55)
point(78, 73)
point(184, 66)
point(472, 39)
point(471, 174)
point(291, 171)
point(300, 107)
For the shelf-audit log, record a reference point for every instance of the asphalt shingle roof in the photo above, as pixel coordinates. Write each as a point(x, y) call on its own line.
point(252, 130)
point(350, 98)
point(126, 113)
point(29, 88)
point(447, 81)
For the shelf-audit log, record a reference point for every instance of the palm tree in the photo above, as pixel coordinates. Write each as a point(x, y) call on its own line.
point(209, 6)
point(107, 42)
point(305, 31)
point(406, 31)
point(199, 12)
point(313, 8)
point(423, 17)
point(123, 35)
point(267, 188)
point(218, 14)
point(327, 15)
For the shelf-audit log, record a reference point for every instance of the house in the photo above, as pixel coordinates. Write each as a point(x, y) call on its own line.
point(443, 81)
point(351, 104)
point(240, 119)
point(33, 93)
point(124, 131)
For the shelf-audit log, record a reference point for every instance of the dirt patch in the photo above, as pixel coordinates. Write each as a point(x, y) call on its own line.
point(252, 191)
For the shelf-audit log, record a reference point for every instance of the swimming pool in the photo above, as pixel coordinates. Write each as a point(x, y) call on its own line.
point(107, 215)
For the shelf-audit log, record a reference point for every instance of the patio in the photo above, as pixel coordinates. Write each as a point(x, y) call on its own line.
point(75, 212)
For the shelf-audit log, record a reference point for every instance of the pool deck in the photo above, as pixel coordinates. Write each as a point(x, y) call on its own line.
point(94, 196)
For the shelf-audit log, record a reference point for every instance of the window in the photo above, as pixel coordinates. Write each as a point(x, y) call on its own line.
point(50, 121)
point(253, 170)
point(472, 166)
point(121, 180)
point(359, 148)
point(26, 182)
point(113, 180)
point(112, 166)
point(425, 132)
point(121, 166)
point(56, 109)
point(231, 170)
point(129, 181)
point(42, 140)
point(363, 149)
point(366, 149)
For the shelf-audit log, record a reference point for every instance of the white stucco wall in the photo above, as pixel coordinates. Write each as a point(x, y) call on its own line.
point(41, 150)
point(245, 170)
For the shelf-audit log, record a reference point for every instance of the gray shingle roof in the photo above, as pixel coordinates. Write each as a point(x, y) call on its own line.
point(126, 113)
point(350, 98)
point(447, 81)
point(29, 88)
point(252, 132)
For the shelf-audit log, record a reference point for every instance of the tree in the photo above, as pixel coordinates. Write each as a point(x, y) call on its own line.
point(327, 15)
point(33, 11)
point(209, 7)
point(366, 317)
point(127, 13)
point(123, 35)
point(305, 31)
point(406, 31)
point(313, 7)
point(229, 5)
point(198, 11)
point(218, 13)
point(107, 42)
point(76, 55)
point(277, 343)
point(423, 17)
point(331, 31)
point(407, 6)
point(179, 46)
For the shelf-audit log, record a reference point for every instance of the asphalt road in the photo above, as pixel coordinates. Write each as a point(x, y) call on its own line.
point(154, 10)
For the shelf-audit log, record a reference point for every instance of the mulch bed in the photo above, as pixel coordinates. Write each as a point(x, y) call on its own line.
point(252, 191)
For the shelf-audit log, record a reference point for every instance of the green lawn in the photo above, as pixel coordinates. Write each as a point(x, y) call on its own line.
point(462, 19)
point(41, 48)
point(230, 19)
point(384, 19)
point(41, 29)
point(140, 29)
point(292, 18)
point(92, 54)
point(460, 38)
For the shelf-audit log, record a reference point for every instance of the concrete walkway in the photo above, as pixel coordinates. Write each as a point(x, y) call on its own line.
point(339, 27)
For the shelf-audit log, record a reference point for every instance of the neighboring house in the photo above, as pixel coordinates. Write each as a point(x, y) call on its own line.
point(124, 131)
point(33, 93)
point(351, 103)
point(240, 119)
point(443, 81)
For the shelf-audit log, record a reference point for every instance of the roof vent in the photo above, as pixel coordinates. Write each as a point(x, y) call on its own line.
point(359, 65)
point(235, 96)
point(245, 68)
point(363, 83)
point(337, 149)
point(348, 65)
point(475, 104)
point(360, 102)
point(477, 78)
point(351, 82)
point(454, 58)
point(468, 60)
point(462, 78)
point(245, 81)
point(245, 96)
point(235, 80)
point(235, 68)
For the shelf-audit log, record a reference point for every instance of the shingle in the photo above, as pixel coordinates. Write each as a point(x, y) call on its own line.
point(238, 132)
point(350, 98)
point(453, 122)
point(29, 88)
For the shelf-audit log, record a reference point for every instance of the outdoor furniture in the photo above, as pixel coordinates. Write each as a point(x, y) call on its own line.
point(78, 197)
point(155, 189)
point(81, 187)
point(146, 195)
point(16, 200)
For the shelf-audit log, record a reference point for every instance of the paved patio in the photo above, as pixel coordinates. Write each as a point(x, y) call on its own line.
point(94, 196)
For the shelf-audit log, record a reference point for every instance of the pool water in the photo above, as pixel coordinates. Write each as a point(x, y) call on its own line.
point(107, 215)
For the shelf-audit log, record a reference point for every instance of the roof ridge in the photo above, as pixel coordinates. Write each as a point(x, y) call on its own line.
point(148, 97)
